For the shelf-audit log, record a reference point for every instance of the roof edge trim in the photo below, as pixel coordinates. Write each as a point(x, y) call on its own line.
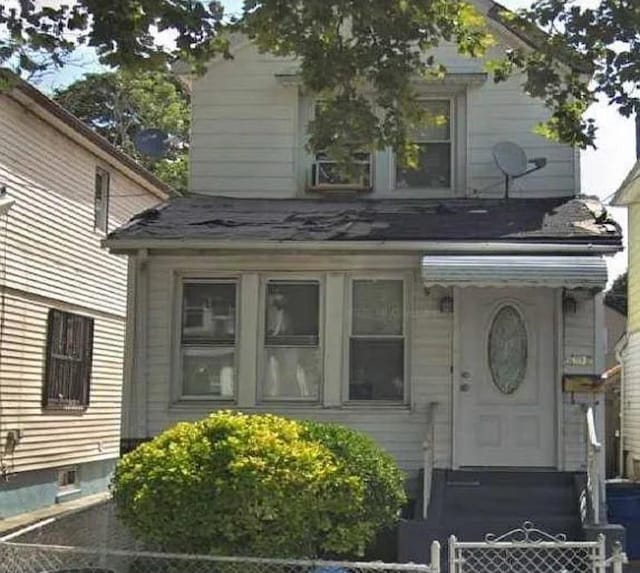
point(587, 248)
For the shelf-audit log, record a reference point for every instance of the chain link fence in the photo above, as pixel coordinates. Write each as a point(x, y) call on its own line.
point(32, 558)
point(94, 540)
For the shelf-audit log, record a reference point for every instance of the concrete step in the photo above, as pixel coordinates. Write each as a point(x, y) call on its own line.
point(509, 499)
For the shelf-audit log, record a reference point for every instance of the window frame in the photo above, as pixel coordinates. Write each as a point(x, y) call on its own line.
point(63, 473)
point(453, 159)
point(101, 221)
point(265, 279)
point(406, 337)
point(181, 279)
point(69, 404)
point(307, 160)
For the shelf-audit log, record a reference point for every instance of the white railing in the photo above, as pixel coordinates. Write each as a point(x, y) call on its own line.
point(428, 461)
point(531, 550)
point(593, 466)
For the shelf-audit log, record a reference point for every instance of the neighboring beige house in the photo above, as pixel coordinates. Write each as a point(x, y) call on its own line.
point(62, 300)
point(629, 196)
point(615, 327)
point(458, 328)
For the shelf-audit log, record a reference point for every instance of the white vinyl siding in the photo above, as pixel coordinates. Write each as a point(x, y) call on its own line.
point(401, 429)
point(631, 404)
point(249, 133)
point(52, 259)
point(52, 438)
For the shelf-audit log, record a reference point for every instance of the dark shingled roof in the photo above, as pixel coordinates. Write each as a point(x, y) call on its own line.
point(581, 220)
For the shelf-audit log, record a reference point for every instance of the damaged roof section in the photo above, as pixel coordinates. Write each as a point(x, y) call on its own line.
point(581, 220)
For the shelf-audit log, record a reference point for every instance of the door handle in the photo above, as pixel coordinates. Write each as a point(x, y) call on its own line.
point(464, 387)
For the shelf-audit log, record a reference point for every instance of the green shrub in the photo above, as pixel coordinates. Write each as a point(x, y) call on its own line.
point(358, 455)
point(257, 485)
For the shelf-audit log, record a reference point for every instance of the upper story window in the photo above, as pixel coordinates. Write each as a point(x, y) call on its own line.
point(101, 200)
point(442, 155)
point(435, 156)
point(208, 338)
point(326, 175)
point(292, 358)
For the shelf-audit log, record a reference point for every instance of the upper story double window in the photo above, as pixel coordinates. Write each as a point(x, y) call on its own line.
point(440, 169)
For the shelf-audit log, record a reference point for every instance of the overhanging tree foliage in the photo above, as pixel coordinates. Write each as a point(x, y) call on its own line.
point(616, 297)
point(119, 104)
point(351, 49)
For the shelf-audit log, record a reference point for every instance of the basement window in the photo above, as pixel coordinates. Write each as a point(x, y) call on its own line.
point(67, 478)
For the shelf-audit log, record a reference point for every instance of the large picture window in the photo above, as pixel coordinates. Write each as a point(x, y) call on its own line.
point(208, 338)
point(292, 368)
point(376, 345)
point(434, 141)
point(69, 360)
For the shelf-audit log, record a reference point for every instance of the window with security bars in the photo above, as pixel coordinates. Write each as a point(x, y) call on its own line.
point(69, 359)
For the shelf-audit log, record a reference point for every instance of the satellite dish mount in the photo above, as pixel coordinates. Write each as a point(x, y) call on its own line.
point(512, 161)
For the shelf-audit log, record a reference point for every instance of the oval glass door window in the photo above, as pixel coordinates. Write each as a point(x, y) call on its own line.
point(507, 350)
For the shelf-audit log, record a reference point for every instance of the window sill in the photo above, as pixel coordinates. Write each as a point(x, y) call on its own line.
point(187, 402)
point(68, 494)
point(64, 408)
point(295, 402)
point(328, 189)
point(375, 405)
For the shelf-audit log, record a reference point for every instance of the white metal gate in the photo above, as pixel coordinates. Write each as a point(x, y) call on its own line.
point(530, 550)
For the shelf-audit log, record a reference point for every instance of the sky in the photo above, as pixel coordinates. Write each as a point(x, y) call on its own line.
point(602, 169)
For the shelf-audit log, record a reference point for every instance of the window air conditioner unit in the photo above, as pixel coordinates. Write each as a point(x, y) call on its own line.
point(326, 175)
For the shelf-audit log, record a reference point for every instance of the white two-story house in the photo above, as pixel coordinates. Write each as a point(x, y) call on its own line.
point(63, 300)
point(456, 326)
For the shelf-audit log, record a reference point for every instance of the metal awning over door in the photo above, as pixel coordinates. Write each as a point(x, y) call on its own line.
point(515, 270)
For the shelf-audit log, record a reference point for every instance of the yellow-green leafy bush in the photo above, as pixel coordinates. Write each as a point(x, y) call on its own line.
point(257, 485)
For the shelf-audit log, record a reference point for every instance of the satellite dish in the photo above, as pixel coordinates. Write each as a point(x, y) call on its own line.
point(510, 158)
point(512, 161)
point(152, 142)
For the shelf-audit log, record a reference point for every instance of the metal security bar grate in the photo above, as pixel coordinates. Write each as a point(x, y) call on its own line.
point(27, 558)
point(530, 550)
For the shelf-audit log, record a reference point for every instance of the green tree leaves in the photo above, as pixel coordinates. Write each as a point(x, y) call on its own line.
point(588, 54)
point(361, 57)
point(119, 104)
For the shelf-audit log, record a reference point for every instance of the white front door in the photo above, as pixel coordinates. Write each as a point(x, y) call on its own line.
point(505, 377)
